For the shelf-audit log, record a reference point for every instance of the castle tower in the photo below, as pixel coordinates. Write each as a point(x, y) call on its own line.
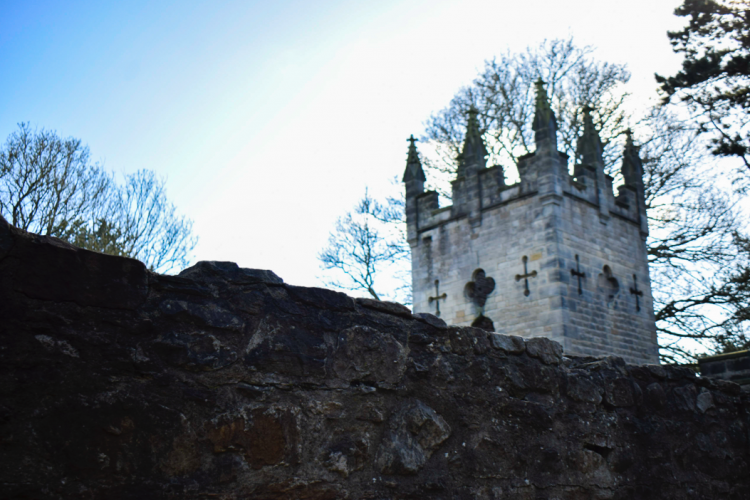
point(554, 255)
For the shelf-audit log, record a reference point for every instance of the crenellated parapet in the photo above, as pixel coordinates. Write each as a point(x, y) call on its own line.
point(544, 172)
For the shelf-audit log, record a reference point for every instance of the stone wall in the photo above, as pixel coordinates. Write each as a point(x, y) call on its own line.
point(228, 383)
point(732, 366)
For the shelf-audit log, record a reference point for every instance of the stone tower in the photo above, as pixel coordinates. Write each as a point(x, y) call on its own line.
point(554, 255)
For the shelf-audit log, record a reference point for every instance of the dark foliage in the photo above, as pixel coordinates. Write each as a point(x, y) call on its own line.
point(715, 75)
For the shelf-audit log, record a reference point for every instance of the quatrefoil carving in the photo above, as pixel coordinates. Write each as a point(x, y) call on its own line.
point(479, 288)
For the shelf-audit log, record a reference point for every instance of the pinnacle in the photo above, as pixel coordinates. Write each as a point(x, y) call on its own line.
point(589, 150)
point(545, 123)
point(629, 140)
point(413, 164)
point(542, 101)
point(472, 125)
point(632, 167)
point(474, 151)
point(412, 156)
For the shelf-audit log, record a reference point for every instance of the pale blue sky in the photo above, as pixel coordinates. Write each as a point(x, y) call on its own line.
point(269, 118)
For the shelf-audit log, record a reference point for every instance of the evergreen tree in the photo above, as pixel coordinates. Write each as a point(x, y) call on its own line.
point(715, 77)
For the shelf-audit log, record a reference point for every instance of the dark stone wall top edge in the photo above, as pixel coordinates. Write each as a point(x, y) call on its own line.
point(50, 269)
point(47, 268)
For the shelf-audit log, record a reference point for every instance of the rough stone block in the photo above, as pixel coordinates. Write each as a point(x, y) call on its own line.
point(548, 351)
point(511, 344)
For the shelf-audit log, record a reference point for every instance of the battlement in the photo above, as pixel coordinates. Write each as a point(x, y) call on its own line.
point(492, 191)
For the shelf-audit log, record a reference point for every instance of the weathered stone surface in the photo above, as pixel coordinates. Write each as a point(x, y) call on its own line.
point(509, 343)
point(82, 277)
point(549, 351)
point(363, 354)
point(432, 320)
point(582, 388)
point(704, 401)
point(414, 432)
point(228, 383)
point(385, 306)
point(231, 272)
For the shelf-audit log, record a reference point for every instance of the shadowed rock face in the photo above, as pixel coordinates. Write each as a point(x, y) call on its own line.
point(227, 383)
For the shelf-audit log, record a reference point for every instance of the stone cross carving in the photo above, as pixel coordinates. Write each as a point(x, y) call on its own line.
point(577, 273)
point(479, 288)
point(437, 298)
point(525, 276)
point(637, 293)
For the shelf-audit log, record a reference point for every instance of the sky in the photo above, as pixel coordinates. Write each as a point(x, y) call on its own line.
point(269, 119)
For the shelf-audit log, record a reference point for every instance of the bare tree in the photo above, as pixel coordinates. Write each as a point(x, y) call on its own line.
point(695, 243)
point(48, 185)
point(149, 227)
point(365, 243)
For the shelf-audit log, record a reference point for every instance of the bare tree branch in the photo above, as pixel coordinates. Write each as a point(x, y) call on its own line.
point(49, 186)
point(364, 243)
